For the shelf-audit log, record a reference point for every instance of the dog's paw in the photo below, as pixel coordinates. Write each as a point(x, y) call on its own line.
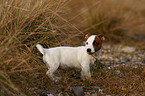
point(84, 78)
point(56, 79)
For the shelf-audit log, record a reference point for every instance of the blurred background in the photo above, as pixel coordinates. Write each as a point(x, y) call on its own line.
point(25, 23)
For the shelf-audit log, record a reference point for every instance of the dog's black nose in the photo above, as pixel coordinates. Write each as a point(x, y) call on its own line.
point(88, 50)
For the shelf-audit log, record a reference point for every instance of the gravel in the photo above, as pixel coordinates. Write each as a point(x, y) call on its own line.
point(118, 54)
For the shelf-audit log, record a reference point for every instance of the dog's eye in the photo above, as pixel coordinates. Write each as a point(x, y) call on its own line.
point(86, 43)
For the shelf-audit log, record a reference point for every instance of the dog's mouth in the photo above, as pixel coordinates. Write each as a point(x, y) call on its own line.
point(91, 53)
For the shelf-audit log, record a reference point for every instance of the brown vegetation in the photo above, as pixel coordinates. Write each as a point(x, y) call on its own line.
point(24, 23)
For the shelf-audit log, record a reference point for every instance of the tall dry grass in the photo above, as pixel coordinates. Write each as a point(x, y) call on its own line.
point(121, 20)
point(24, 23)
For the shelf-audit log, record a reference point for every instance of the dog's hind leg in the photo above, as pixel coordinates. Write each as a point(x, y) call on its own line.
point(52, 64)
point(51, 71)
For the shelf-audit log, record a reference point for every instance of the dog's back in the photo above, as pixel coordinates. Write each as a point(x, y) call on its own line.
point(69, 56)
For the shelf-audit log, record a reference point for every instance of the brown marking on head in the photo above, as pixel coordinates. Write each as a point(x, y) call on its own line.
point(98, 42)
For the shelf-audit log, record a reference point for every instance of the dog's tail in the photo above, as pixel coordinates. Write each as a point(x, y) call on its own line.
point(40, 48)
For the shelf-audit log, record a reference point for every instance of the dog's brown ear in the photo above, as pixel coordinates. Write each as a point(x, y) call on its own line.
point(87, 36)
point(102, 37)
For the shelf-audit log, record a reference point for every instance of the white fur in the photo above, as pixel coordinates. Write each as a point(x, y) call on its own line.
point(69, 56)
point(90, 40)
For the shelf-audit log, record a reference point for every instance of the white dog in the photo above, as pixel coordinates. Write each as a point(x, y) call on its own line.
point(79, 57)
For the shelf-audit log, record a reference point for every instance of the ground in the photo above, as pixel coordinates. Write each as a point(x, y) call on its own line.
point(116, 72)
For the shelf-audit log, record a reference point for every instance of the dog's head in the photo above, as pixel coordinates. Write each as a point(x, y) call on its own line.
point(93, 43)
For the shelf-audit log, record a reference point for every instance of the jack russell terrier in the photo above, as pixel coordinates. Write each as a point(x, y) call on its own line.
point(78, 57)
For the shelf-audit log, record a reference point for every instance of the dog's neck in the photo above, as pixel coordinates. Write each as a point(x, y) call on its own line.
point(96, 54)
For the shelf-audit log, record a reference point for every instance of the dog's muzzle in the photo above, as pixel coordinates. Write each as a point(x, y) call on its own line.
point(89, 51)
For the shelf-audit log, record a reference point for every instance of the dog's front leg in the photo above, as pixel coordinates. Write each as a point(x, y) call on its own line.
point(85, 73)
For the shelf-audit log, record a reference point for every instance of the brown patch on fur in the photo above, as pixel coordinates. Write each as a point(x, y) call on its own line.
point(98, 42)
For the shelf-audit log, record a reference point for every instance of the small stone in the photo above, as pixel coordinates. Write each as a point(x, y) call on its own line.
point(108, 95)
point(107, 62)
point(101, 91)
point(117, 72)
point(109, 67)
point(88, 94)
point(109, 51)
point(116, 60)
point(128, 49)
point(50, 95)
point(78, 91)
point(97, 88)
point(136, 66)
point(95, 94)
point(64, 94)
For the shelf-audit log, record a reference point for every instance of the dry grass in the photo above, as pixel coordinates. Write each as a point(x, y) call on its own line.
point(120, 20)
point(24, 23)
